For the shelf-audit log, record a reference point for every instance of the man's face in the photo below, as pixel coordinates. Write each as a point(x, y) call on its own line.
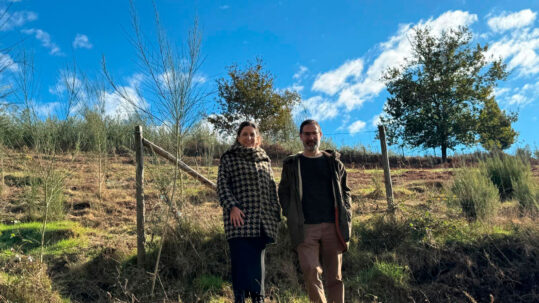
point(310, 136)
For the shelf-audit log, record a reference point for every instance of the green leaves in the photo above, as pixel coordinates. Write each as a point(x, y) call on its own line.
point(248, 94)
point(495, 131)
point(437, 97)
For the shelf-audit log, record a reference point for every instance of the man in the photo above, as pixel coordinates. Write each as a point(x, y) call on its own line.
point(316, 201)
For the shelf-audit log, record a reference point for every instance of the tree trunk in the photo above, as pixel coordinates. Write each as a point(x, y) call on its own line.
point(444, 153)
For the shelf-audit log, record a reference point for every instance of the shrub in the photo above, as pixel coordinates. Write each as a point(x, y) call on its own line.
point(524, 153)
point(476, 195)
point(527, 194)
point(45, 199)
point(503, 171)
point(512, 176)
point(27, 281)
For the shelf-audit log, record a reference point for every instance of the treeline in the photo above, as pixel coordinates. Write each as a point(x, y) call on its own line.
point(92, 131)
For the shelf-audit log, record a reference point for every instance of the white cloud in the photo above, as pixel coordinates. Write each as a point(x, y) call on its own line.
point(397, 48)
point(518, 99)
point(118, 107)
point(333, 81)
point(81, 41)
point(9, 21)
point(300, 73)
point(135, 80)
point(520, 96)
point(124, 105)
point(224, 137)
point(66, 79)
point(45, 40)
point(356, 127)
point(6, 62)
point(355, 87)
point(46, 109)
point(200, 79)
point(498, 92)
point(168, 78)
point(375, 121)
point(507, 21)
point(519, 49)
point(223, 7)
point(295, 87)
point(317, 108)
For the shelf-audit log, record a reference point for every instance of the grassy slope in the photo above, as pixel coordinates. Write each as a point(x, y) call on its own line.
point(428, 253)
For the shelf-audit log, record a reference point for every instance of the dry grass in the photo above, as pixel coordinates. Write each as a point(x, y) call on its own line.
point(420, 193)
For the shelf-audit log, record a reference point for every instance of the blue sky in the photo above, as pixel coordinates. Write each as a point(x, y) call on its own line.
point(332, 52)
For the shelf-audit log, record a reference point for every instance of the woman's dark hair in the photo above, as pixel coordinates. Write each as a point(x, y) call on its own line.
point(253, 125)
point(308, 121)
point(244, 124)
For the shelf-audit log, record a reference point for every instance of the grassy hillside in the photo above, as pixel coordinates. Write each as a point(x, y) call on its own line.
point(429, 253)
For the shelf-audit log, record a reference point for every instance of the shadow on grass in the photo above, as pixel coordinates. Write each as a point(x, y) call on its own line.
point(194, 266)
point(421, 259)
point(430, 260)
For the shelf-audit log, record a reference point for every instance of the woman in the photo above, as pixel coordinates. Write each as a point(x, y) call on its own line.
point(251, 212)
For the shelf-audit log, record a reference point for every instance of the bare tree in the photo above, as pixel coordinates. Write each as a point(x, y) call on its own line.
point(170, 83)
point(6, 62)
point(73, 90)
point(93, 112)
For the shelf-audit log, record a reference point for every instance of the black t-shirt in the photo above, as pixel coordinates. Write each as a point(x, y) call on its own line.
point(317, 201)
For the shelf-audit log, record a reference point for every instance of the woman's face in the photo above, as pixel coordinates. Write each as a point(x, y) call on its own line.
point(248, 137)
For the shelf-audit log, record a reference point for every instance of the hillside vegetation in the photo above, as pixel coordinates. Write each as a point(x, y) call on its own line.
point(431, 251)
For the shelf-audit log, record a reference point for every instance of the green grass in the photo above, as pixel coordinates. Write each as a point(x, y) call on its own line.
point(62, 237)
point(396, 273)
point(209, 283)
point(383, 280)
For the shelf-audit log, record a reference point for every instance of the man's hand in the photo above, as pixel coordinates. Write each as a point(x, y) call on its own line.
point(236, 216)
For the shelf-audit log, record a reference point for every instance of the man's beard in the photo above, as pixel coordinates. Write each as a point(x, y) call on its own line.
point(311, 145)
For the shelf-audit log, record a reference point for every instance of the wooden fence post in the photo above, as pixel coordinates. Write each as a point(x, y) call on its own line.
point(141, 238)
point(387, 173)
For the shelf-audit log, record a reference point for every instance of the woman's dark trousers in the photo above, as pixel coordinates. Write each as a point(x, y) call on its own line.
point(247, 256)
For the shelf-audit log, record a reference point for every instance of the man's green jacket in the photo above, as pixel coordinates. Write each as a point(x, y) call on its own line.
point(290, 195)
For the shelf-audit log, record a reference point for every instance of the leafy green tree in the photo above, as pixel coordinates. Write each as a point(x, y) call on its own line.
point(495, 131)
point(437, 96)
point(249, 94)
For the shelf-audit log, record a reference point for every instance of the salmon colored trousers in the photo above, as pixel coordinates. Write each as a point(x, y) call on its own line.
point(319, 254)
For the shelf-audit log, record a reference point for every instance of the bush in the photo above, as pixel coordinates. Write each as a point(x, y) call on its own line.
point(524, 153)
point(527, 194)
point(27, 281)
point(476, 195)
point(45, 198)
point(512, 176)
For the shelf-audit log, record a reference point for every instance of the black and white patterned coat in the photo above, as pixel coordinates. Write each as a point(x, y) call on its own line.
point(245, 180)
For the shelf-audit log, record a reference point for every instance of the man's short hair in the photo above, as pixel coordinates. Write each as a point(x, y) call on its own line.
point(308, 121)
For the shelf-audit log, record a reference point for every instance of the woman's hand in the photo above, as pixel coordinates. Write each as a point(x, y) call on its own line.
point(236, 216)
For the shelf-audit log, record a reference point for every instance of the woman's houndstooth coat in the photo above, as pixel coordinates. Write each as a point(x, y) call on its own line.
point(245, 180)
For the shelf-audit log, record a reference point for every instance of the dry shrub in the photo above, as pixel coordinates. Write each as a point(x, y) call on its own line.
point(476, 195)
point(512, 176)
point(102, 276)
point(28, 282)
point(502, 267)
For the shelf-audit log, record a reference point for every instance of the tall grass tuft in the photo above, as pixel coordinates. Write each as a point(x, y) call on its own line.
point(45, 197)
point(527, 194)
point(475, 193)
point(27, 281)
point(512, 176)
